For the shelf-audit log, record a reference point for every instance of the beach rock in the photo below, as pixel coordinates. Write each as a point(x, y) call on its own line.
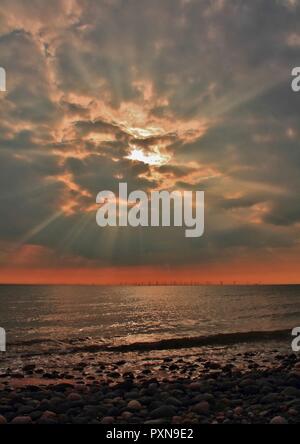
point(107, 420)
point(227, 367)
point(129, 375)
point(74, 397)
point(173, 401)
point(155, 421)
point(44, 405)
point(49, 415)
point(278, 420)
point(212, 365)
point(297, 365)
point(2, 420)
point(204, 397)
point(291, 392)
point(294, 379)
point(114, 375)
point(271, 398)
point(113, 411)
point(134, 405)
point(250, 389)
point(155, 404)
point(79, 387)
point(195, 386)
point(173, 367)
point(25, 410)
point(238, 411)
point(132, 395)
point(126, 415)
point(5, 408)
point(18, 376)
point(22, 420)
point(48, 418)
point(80, 420)
point(202, 408)
point(35, 415)
point(266, 389)
point(28, 367)
point(176, 420)
point(164, 411)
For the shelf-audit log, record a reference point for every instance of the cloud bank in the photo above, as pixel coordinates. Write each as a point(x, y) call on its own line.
point(97, 88)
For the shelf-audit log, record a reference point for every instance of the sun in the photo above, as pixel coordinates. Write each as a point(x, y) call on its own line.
point(153, 158)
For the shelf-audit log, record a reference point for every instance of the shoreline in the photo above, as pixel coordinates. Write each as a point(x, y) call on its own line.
point(212, 385)
point(94, 345)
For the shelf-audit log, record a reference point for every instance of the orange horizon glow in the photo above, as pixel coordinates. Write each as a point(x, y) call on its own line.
point(226, 274)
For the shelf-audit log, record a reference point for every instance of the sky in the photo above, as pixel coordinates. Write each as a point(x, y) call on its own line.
point(164, 95)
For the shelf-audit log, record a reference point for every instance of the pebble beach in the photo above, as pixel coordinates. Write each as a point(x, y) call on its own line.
point(239, 385)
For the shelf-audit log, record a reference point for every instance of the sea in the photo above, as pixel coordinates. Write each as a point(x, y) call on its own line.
point(147, 316)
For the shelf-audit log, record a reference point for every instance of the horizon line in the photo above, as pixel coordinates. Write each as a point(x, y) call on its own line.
point(159, 284)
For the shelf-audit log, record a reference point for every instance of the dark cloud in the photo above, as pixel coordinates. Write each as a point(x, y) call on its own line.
point(175, 170)
point(97, 172)
point(29, 193)
point(241, 202)
point(284, 211)
point(74, 109)
point(85, 127)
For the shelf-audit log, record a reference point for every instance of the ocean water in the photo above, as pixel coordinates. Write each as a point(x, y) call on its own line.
point(125, 315)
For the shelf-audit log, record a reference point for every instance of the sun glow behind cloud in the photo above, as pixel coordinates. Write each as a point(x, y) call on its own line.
point(154, 158)
point(144, 132)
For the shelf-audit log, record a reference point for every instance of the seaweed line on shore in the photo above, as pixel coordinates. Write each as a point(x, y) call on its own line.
point(90, 345)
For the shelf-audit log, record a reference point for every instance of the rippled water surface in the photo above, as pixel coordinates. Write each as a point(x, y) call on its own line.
point(144, 313)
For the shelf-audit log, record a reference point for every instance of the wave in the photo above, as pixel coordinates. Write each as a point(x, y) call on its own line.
point(90, 345)
point(211, 340)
